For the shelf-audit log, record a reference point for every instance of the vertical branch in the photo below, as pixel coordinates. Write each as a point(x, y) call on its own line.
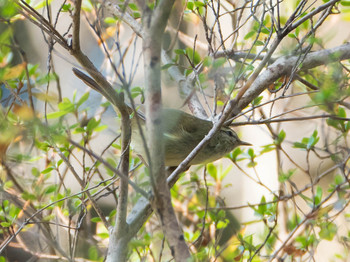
point(154, 22)
point(76, 26)
point(117, 249)
point(118, 242)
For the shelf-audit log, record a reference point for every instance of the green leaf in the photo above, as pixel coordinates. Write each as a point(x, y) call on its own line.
point(207, 61)
point(252, 156)
point(341, 112)
point(14, 211)
point(212, 171)
point(307, 199)
point(225, 172)
point(83, 98)
point(93, 253)
point(199, 4)
point(35, 172)
point(112, 213)
point(318, 196)
point(345, 3)
point(47, 170)
point(136, 15)
point(103, 235)
point(59, 162)
point(328, 231)
point(190, 5)
point(308, 142)
point(7, 9)
point(133, 7)
point(303, 241)
point(338, 179)
point(137, 91)
point(100, 128)
point(219, 62)
point(222, 224)
point(267, 148)
point(299, 145)
point(28, 196)
point(282, 177)
point(5, 203)
point(50, 189)
point(5, 224)
point(281, 136)
point(77, 202)
point(259, 43)
point(92, 124)
point(180, 51)
point(251, 152)
point(67, 8)
point(265, 31)
point(261, 207)
point(201, 10)
point(66, 105)
point(194, 56)
point(110, 20)
point(293, 222)
point(166, 66)
point(235, 153)
point(257, 101)
point(313, 140)
point(8, 185)
point(249, 35)
point(56, 114)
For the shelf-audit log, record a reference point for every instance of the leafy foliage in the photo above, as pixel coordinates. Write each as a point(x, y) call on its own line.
point(59, 156)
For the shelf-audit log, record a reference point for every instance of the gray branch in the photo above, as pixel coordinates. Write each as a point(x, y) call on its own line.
point(284, 66)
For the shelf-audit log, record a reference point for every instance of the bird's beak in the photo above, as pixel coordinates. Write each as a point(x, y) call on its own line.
point(242, 143)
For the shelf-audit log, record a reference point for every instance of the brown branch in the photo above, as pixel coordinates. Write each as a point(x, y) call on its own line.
point(110, 167)
point(310, 15)
point(283, 66)
point(154, 22)
point(76, 25)
point(82, 184)
point(27, 11)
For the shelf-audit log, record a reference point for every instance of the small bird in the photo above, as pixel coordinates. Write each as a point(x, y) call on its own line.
point(182, 132)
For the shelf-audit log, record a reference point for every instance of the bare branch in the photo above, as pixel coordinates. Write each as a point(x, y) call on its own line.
point(283, 66)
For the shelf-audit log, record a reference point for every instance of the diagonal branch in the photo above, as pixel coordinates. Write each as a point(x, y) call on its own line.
point(283, 66)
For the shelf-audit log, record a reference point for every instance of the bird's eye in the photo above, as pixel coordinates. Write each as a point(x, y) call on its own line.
point(229, 133)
